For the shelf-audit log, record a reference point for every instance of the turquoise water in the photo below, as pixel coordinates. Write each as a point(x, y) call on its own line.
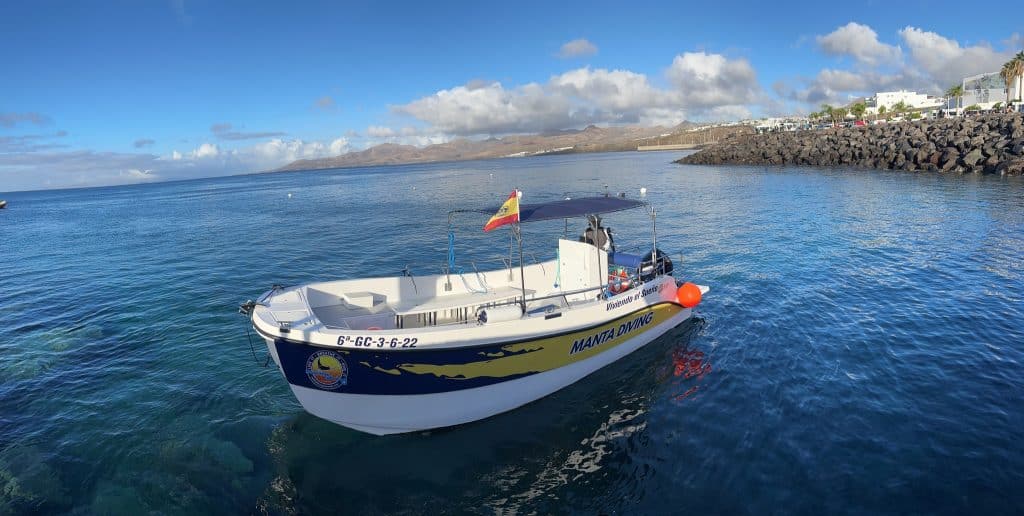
point(860, 351)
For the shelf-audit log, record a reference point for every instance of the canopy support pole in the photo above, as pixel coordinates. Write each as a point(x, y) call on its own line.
point(451, 255)
point(654, 240)
point(522, 277)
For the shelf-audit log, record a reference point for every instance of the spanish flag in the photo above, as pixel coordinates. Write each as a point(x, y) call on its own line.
point(507, 214)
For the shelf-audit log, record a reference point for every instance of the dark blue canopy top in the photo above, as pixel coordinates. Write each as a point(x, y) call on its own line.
point(575, 208)
point(565, 209)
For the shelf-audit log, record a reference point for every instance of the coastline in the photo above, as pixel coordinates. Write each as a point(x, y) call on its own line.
point(988, 144)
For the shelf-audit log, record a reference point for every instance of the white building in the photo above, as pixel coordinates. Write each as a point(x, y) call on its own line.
point(986, 89)
point(910, 99)
point(775, 124)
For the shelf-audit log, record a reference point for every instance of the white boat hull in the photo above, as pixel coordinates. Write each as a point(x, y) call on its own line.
point(398, 413)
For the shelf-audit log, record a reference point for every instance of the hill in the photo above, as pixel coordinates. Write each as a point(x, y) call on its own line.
point(590, 139)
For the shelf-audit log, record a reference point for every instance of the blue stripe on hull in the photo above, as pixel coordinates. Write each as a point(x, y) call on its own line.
point(368, 372)
point(425, 371)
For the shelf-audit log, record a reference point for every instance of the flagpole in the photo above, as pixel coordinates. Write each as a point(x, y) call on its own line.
point(522, 277)
point(504, 217)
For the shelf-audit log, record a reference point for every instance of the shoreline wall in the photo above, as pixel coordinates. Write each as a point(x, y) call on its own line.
point(990, 144)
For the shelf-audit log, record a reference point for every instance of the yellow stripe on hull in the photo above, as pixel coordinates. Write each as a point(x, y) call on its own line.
point(549, 353)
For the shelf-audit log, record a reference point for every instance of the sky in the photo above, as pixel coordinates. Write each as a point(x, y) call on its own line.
point(117, 92)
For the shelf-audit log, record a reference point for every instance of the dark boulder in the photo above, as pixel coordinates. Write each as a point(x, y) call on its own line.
point(972, 157)
point(988, 143)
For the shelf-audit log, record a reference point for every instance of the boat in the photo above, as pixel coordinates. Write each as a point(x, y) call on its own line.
point(417, 352)
point(3, 204)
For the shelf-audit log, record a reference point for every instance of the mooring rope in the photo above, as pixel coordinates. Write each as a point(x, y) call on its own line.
point(246, 310)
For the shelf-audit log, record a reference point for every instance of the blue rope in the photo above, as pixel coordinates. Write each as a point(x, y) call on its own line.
point(451, 249)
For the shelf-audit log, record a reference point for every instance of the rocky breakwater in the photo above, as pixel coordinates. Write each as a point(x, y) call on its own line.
point(991, 144)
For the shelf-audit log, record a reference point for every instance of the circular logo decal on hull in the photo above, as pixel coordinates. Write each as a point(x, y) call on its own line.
point(327, 370)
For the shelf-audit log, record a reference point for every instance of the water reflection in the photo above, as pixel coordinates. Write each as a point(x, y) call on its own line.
point(685, 365)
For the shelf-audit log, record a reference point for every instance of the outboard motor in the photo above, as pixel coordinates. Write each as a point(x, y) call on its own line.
point(651, 266)
point(598, 235)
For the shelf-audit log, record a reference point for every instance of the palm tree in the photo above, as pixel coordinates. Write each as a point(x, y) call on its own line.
point(881, 112)
point(858, 110)
point(839, 114)
point(826, 112)
point(1012, 71)
point(899, 108)
point(957, 92)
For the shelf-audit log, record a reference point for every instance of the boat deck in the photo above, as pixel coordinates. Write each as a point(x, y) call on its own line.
point(472, 299)
point(376, 312)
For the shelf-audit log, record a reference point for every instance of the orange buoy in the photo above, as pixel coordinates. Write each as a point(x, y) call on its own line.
point(688, 295)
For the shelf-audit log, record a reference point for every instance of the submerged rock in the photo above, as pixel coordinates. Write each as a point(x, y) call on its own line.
point(45, 351)
point(28, 483)
point(111, 498)
point(62, 339)
point(987, 144)
point(206, 451)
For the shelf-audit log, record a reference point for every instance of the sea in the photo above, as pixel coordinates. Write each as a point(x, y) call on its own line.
point(860, 350)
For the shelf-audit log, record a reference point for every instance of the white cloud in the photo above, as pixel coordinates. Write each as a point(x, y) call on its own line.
point(860, 42)
point(946, 61)
point(139, 174)
point(28, 170)
point(376, 131)
point(833, 86)
point(491, 109)
point(407, 135)
point(338, 147)
point(667, 117)
point(206, 150)
point(613, 90)
point(842, 80)
point(730, 112)
point(266, 155)
point(702, 85)
point(931, 64)
point(577, 48)
point(707, 81)
point(34, 169)
point(424, 139)
point(277, 152)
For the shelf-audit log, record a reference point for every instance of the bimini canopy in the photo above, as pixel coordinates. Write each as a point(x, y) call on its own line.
point(576, 208)
point(568, 208)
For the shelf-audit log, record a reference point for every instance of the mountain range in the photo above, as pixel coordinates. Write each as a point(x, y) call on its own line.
point(590, 139)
